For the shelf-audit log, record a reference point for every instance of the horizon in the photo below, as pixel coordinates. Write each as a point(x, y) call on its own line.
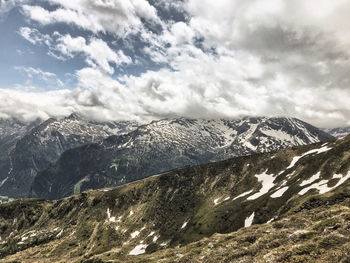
point(149, 60)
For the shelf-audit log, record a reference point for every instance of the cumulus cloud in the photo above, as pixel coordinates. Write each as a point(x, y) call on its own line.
point(97, 96)
point(165, 94)
point(97, 52)
point(227, 59)
point(32, 105)
point(117, 17)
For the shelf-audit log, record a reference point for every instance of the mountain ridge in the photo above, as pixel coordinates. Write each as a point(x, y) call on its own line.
point(161, 216)
point(40, 145)
point(164, 145)
point(339, 132)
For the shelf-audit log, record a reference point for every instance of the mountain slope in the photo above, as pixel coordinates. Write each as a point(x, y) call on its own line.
point(41, 146)
point(319, 234)
point(164, 145)
point(338, 132)
point(189, 204)
point(11, 130)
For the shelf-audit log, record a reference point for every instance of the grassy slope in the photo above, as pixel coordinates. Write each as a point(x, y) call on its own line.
point(77, 228)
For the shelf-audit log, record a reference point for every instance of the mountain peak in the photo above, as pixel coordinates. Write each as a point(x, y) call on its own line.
point(167, 144)
point(74, 116)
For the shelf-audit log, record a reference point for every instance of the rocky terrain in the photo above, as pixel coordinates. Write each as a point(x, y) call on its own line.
point(11, 131)
point(26, 148)
point(338, 132)
point(292, 205)
point(164, 145)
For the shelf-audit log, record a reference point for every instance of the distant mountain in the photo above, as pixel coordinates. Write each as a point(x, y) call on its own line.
point(11, 130)
point(338, 132)
point(10, 127)
point(292, 205)
point(31, 149)
point(164, 145)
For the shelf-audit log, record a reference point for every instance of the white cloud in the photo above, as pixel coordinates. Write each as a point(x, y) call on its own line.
point(224, 21)
point(180, 33)
point(114, 16)
point(34, 36)
point(34, 104)
point(7, 5)
point(231, 58)
point(97, 52)
point(185, 93)
point(62, 47)
point(60, 15)
point(97, 96)
point(48, 77)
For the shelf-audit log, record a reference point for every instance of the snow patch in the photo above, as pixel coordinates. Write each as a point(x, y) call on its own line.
point(294, 161)
point(267, 183)
point(311, 180)
point(280, 192)
point(216, 201)
point(243, 194)
point(138, 250)
point(317, 151)
point(249, 220)
point(135, 234)
point(270, 220)
point(278, 134)
point(322, 186)
point(110, 218)
point(59, 234)
point(184, 225)
point(151, 234)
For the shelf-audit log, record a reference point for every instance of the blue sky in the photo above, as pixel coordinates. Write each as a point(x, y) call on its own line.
point(151, 59)
point(18, 53)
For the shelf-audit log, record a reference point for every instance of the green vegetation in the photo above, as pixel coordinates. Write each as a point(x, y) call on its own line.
point(193, 215)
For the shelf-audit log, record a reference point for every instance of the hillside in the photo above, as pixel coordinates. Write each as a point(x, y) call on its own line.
point(293, 203)
point(30, 148)
point(168, 144)
point(11, 131)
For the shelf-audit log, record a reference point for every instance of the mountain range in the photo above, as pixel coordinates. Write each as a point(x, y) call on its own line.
point(59, 157)
point(290, 205)
point(164, 145)
point(26, 148)
point(338, 132)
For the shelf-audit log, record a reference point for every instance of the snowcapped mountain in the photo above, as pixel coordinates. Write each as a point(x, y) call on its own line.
point(35, 149)
point(338, 132)
point(238, 136)
point(11, 130)
point(167, 144)
point(74, 130)
point(9, 127)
